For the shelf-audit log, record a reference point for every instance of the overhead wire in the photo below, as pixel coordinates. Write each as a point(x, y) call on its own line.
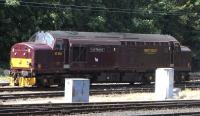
point(98, 9)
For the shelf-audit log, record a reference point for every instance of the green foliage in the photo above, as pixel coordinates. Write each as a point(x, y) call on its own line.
point(179, 18)
point(97, 23)
point(12, 2)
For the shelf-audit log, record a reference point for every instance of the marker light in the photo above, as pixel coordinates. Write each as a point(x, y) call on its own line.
point(29, 50)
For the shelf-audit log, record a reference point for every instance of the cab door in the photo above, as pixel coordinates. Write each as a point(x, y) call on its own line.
point(58, 54)
point(66, 54)
point(171, 48)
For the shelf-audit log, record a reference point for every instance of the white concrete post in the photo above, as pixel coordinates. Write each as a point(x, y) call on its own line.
point(76, 90)
point(164, 83)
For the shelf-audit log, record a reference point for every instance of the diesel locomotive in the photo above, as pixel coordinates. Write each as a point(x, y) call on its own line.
point(50, 56)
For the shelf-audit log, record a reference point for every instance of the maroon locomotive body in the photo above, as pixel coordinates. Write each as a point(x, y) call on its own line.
point(102, 57)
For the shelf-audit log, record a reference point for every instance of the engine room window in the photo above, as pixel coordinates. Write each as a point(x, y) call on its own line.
point(140, 43)
point(79, 54)
point(133, 43)
point(164, 44)
point(128, 43)
point(123, 43)
point(156, 43)
point(149, 43)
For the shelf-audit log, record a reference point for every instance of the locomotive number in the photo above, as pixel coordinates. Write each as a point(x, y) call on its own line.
point(58, 53)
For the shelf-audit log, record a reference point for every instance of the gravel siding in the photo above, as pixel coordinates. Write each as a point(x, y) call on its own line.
point(141, 112)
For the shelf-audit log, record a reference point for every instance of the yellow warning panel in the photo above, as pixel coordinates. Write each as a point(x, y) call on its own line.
point(20, 62)
point(11, 81)
point(26, 82)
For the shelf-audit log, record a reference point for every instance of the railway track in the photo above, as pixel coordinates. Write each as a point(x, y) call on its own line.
point(79, 108)
point(14, 89)
point(134, 88)
point(177, 114)
point(95, 90)
point(61, 94)
point(30, 95)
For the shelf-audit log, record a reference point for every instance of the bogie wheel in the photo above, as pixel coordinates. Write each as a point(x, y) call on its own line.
point(148, 78)
point(179, 78)
point(43, 83)
point(132, 83)
point(184, 77)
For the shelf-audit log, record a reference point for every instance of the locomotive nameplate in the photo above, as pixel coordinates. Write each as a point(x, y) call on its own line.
point(150, 51)
point(97, 49)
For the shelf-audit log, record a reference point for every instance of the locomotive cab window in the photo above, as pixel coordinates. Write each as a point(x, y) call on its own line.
point(79, 54)
point(42, 38)
point(58, 45)
point(177, 47)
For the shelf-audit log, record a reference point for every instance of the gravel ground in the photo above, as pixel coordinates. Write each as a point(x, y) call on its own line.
point(141, 112)
point(94, 98)
point(186, 94)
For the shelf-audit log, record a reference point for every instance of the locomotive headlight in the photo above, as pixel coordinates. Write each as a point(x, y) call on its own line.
point(189, 65)
point(24, 73)
point(39, 66)
point(13, 50)
point(33, 74)
point(29, 50)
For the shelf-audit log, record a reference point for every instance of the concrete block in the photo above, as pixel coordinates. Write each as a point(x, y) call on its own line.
point(76, 90)
point(164, 83)
point(176, 92)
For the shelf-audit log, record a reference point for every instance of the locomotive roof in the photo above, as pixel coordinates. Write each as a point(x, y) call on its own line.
point(112, 36)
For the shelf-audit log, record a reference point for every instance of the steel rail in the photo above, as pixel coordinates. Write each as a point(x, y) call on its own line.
point(58, 93)
point(176, 114)
point(30, 95)
point(138, 87)
point(11, 89)
point(79, 108)
point(61, 93)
